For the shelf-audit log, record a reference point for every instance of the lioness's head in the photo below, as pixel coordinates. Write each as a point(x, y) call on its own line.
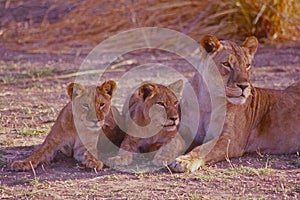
point(234, 63)
point(149, 94)
point(91, 103)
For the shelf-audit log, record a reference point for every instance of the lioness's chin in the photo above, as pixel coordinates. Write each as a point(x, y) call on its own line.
point(237, 100)
point(170, 128)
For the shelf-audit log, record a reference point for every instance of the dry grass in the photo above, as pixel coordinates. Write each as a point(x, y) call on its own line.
point(271, 19)
point(90, 22)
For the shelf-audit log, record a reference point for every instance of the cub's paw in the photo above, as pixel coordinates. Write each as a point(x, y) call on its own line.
point(119, 161)
point(21, 165)
point(91, 162)
point(186, 164)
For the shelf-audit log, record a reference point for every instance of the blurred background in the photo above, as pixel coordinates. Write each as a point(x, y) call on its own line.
point(76, 26)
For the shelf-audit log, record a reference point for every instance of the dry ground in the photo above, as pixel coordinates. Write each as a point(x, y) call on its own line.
point(33, 92)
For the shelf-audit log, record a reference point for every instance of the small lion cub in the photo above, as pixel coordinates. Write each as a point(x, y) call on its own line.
point(85, 113)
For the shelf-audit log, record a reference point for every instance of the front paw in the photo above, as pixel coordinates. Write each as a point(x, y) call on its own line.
point(121, 160)
point(91, 162)
point(21, 165)
point(186, 164)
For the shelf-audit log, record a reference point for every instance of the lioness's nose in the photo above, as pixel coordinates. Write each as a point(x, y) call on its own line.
point(243, 85)
point(174, 118)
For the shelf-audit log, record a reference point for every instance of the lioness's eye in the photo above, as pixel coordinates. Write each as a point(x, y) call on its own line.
point(226, 64)
point(102, 105)
point(161, 104)
point(176, 103)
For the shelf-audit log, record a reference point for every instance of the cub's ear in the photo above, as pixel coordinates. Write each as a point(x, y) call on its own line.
point(107, 88)
point(176, 87)
point(147, 90)
point(75, 90)
point(251, 44)
point(210, 43)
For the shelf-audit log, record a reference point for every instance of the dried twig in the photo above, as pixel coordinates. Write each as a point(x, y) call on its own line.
point(43, 168)
point(166, 165)
point(124, 63)
point(263, 8)
point(33, 170)
point(227, 154)
point(95, 170)
point(95, 71)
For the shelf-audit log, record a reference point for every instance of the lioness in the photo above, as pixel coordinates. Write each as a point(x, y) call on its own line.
point(91, 106)
point(257, 119)
point(152, 125)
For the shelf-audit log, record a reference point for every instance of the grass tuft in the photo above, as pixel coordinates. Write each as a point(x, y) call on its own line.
point(297, 189)
point(43, 129)
point(295, 161)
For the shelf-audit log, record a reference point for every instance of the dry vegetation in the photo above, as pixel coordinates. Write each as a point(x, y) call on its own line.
point(42, 43)
point(74, 26)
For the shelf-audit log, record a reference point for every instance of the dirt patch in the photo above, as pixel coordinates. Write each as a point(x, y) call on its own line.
point(33, 92)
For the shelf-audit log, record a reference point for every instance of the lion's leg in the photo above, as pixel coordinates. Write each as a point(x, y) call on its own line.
point(44, 153)
point(122, 159)
point(91, 162)
point(87, 156)
point(194, 159)
point(213, 151)
point(87, 159)
point(125, 155)
point(167, 153)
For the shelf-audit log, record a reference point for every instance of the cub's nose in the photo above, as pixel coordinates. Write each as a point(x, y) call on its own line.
point(243, 86)
point(95, 121)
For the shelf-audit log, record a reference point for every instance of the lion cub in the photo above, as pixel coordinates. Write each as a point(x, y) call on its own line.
point(85, 113)
point(257, 119)
point(152, 125)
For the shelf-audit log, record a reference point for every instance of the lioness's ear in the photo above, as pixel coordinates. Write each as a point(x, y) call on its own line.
point(210, 43)
point(176, 87)
point(108, 88)
point(75, 89)
point(251, 44)
point(147, 90)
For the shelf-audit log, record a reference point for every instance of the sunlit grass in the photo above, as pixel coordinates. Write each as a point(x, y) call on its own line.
point(43, 129)
point(271, 19)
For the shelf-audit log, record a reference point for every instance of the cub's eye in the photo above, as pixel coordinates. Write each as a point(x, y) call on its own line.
point(161, 104)
point(102, 105)
point(226, 64)
point(248, 67)
point(85, 106)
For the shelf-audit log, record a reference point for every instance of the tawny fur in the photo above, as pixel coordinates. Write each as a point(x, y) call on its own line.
point(166, 142)
point(91, 105)
point(263, 120)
